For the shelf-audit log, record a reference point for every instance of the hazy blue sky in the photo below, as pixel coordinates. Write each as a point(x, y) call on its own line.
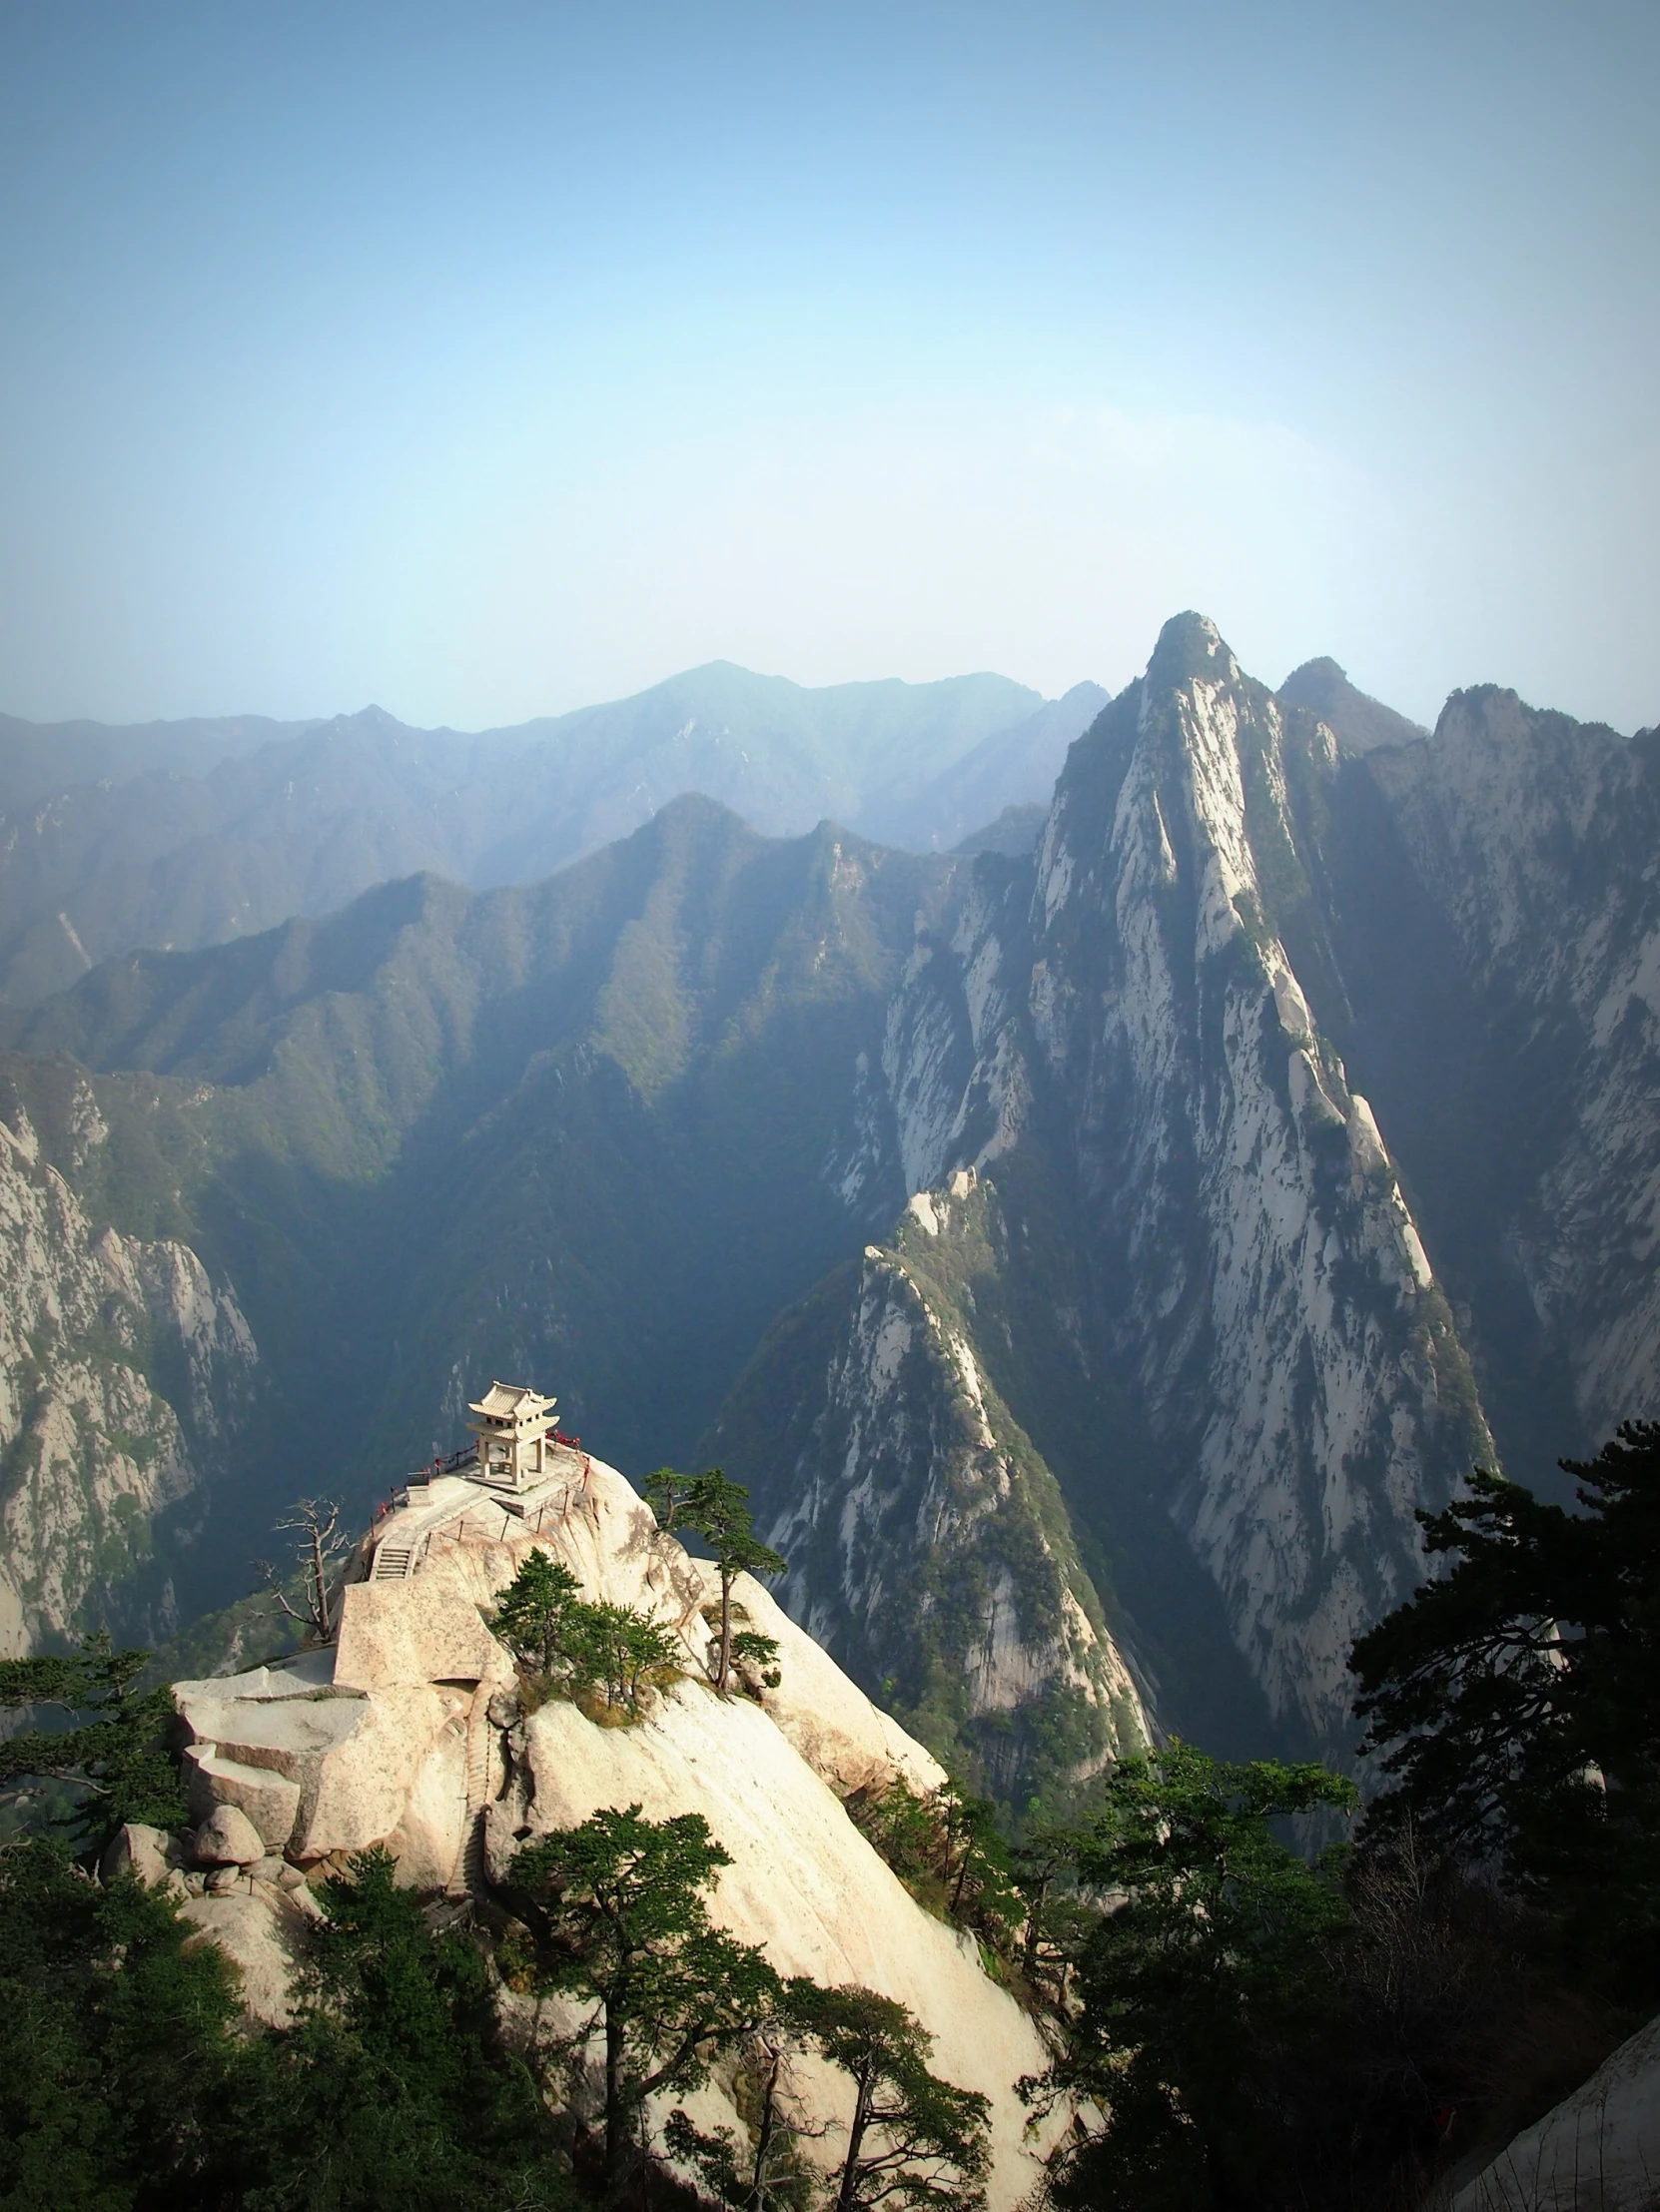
point(485, 360)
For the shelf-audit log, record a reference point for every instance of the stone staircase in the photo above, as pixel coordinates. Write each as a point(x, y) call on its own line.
point(394, 1560)
point(467, 1874)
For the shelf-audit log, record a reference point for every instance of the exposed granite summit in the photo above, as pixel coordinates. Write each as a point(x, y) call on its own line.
point(407, 1732)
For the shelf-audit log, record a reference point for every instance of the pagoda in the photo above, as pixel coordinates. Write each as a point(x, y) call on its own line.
point(514, 1429)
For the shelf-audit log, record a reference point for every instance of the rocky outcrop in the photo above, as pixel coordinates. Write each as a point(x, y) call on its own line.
point(928, 1543)
point(1596, 2151)
point(1534, 839)
point(409, 1733)
point(93, 1446)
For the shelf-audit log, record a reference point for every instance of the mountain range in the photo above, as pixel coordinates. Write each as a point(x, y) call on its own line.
point(188, 834)
point(1091, 1248)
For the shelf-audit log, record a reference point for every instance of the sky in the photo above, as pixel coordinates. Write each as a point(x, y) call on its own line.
point(483, 361)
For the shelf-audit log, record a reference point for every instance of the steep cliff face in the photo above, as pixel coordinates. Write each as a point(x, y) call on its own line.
point(1119, 1038)
point(1537, 839)
point(410, 1732)
point(123, 1373)
point(928, 1542)
point(1266, 1287)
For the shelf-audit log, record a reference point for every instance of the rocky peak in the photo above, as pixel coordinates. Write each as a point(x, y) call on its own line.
point(1358, 721)
point(1189, 646)
point(412, 1731)
point(1128, 1023)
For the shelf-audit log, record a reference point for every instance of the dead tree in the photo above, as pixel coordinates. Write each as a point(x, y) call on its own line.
point(316, 1521)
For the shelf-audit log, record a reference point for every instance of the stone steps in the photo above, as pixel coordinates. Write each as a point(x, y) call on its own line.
point(468, 1872)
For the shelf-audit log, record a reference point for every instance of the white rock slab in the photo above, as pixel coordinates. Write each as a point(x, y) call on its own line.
point(1598, 2151)
point(804, 1882)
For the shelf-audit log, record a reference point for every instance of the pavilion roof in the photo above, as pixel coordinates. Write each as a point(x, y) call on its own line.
point(512, 1401)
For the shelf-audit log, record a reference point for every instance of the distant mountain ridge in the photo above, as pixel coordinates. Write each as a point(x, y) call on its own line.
point(217, 830)
point(1357, 721)
point(1090, 1250)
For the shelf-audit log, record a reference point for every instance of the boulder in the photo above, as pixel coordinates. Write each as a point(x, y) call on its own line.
point(259, 1943)
point(139, 1850)
point(364, 1785)
point(291, 1735)
point(227, 1838)
point(267, 1800)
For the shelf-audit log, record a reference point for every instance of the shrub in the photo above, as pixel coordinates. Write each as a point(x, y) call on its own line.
point(599, 1654)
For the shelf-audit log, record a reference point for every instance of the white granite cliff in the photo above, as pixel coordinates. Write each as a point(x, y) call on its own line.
point(1259, 1287)
point(93, 1449)
point(407, 1732)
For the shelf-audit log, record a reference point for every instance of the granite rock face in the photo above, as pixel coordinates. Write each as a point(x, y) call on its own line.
point(1596, 2151)
point(124, 1371)
point(928, 1542)
point(1535, 840)
point(427, 1750)
point(1210, 1303)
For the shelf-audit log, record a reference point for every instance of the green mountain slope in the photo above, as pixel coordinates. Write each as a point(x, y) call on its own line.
point(585, 1132)
point(189, 835)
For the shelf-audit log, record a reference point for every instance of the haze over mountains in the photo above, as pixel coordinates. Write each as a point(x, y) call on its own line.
point(1091, 1250)
point(186, 834)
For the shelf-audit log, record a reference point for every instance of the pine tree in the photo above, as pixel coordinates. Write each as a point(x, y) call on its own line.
point(617, 1913)
point(110, 1765)
point(719, 1510)
point(1205, 2003)
point(912, 2139)
point(532, 1614)
point(1515, 1700)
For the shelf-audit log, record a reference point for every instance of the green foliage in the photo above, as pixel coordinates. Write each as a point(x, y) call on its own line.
point(1057, 1923)
point(1516, 1700)
point(617, 1655)
point(597, 1652)
point(109, 1764)
point(669, 1494)
point(912, 2139)
point(1204, 1991)
point(619, 1919)
point(719, 1509)
point(120, 2068)
point(946, 1849)
point(397, 2090)
point(531, 1614)
point(758, 1655)
point(127, 2083)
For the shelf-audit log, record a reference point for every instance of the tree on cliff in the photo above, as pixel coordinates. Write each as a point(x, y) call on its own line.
point(322, 1545)
point(532, 1614)
point(719, 1509)
point(1206, 2011)
point(608, 1651)
point(912, 2139)
point(618, 1915)
point(105, 1762)
point(1515, 1700)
